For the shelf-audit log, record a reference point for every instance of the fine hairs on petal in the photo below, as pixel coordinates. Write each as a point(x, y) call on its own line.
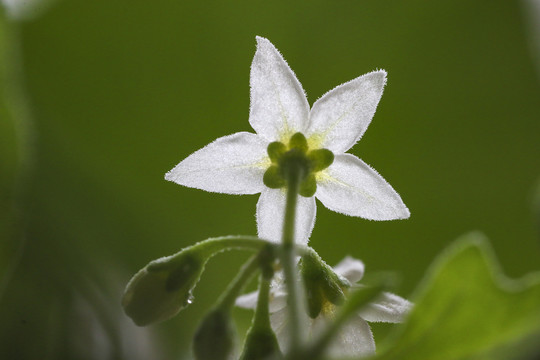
point(352, 187)
point(278, 103)
point(341, 116)
point(230, 164)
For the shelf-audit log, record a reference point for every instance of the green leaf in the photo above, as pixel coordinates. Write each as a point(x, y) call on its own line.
point(467, 309)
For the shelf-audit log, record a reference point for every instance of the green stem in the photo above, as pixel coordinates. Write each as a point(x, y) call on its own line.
point(262, 316)
point(290, 210)
point(288, 258)
point(215, 245)
point(261, 341)
point(227, 299)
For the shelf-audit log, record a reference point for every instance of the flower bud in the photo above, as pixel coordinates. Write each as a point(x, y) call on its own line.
point(261, 343)
point(163, 287)
point(323, 285)
point(214, 339)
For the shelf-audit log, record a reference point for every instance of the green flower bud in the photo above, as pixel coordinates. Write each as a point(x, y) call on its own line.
point(163, 288)
point(314, 296)
point(261, 343)
point(214, 339)
point(323, 285)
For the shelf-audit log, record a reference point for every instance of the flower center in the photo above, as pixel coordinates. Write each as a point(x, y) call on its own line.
point(296, 157)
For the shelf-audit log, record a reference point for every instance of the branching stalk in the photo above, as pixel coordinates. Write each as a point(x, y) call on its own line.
point(288, 255)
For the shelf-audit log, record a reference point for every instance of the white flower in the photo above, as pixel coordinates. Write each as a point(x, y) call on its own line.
point(236, 164)
point(355, 338)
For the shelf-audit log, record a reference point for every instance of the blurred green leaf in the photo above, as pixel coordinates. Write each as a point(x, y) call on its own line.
point(467, 309)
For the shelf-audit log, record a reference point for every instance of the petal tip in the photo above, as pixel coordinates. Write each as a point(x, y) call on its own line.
point(405, 213)
point(171, 176)
point(400, 213)
point(261, 39)
point(379, 77)
point(176, 174)
point(263, 42)
point(168, 176)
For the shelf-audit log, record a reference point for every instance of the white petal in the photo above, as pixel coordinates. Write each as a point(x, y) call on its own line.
point(279, 321)
point(247, 301)
point(233, 164)
point(278, 103)
point(278, 292)
point(351, 187)
point(341, 116)
point(270, 213)
point(277, 301)
point(353, 340)
point(280, 324)
point(388, 308)
point(350, 268)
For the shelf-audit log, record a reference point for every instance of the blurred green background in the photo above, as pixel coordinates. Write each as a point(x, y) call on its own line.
point(100, 98)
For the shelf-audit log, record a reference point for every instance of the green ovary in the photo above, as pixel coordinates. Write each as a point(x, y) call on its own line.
point(296, 157)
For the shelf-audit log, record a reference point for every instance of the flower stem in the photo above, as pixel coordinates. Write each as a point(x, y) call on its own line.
point(262, 315)
point(261, 341)
point(212, 246)
point(288, 255)
point(226, 301)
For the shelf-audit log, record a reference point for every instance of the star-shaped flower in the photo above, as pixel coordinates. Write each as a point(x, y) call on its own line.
point(355, 338)
point(286, 128)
